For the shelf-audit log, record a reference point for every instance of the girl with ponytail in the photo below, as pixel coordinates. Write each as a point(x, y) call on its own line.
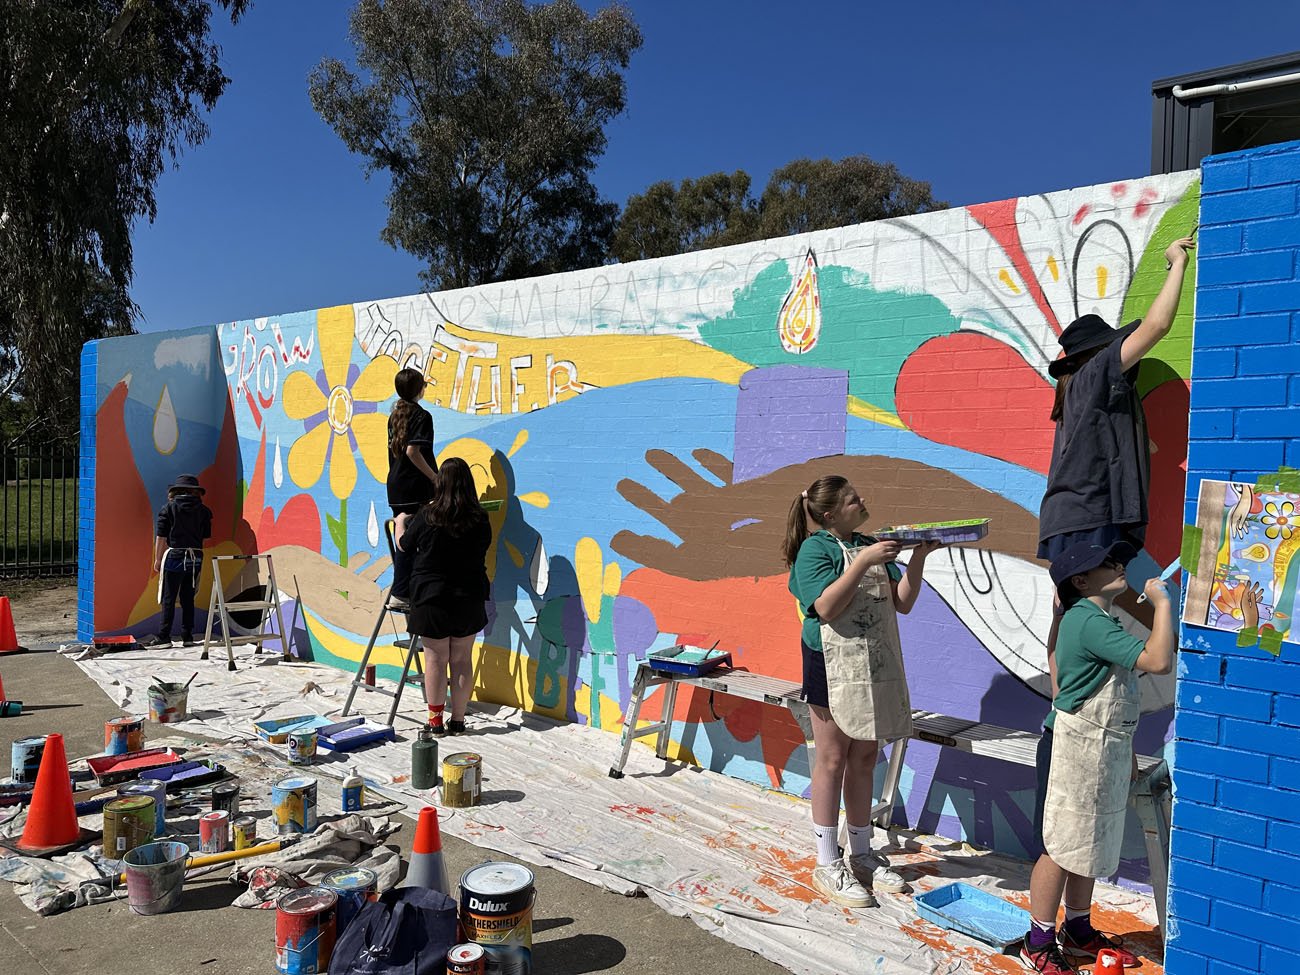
point(849, 590)
point(411, 465)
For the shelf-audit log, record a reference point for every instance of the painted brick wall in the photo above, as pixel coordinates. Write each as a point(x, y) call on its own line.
point(1235, 877)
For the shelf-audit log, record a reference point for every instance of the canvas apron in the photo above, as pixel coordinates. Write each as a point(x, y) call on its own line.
point(191, 561)
point(1088, 786)
point(864, 662)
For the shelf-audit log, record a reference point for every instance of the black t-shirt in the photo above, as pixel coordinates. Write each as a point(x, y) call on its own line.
point(447, 564)
point(1101, 458)
point(408, 486)
point(185, 521)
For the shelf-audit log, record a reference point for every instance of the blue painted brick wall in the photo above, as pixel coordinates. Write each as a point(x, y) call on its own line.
point(86, 496)
point(1234, 892)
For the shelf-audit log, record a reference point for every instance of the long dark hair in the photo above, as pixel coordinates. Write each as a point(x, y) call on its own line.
point(454, 508)
point(822, 497)
point(409, 384)
point(1076, 363)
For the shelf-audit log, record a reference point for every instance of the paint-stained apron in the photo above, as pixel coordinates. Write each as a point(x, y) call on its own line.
point(864, 662)
point(1088, 787)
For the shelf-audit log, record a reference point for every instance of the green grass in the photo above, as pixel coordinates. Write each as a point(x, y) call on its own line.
point(50, 507)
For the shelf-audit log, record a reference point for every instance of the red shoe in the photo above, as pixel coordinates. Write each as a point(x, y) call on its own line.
point(1046, 960)
point(1098, 942)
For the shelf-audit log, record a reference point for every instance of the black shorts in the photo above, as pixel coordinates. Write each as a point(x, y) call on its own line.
point(814, 677)
point(1042, 768)
point(441, 619)
point(1050, 548)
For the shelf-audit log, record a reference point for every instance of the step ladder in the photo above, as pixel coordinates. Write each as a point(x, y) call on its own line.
point(220, 608)
point(410, 644)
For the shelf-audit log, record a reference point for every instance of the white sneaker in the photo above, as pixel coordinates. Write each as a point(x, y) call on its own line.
point(837, 883)
point(872, 870)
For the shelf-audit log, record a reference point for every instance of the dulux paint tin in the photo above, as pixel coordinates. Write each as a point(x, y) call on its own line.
point(25, 758)
point(305, 930)
point(156, 789)
point(214, 832)
point(302, 746)
point(226, 796)
point(122, 735)
point(496, 911)
point(128, 823)
point(293, 801)
point(467, 959)
point(244, 832)
point(355, 887)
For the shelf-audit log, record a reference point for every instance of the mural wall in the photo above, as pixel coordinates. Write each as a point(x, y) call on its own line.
point(647, 426)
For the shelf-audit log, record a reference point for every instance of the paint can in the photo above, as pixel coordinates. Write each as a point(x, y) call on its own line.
point(293, 801)
point(355, 887)
point(156, 789)
point(168, 702)
point(226, 796)
point(302, 747)
point(496, 911)
point(1107, 963)
point(244, 832)
point(466, 960)
point(128, 823)
point(25, 759)
point(155, 875)
point(305, 930)
point(122, 735)
point(214, 832)
point(462, 779)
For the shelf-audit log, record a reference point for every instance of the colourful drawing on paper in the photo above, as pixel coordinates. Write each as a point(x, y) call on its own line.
point(1246, 575)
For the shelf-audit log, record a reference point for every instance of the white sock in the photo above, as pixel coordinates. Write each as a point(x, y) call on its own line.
point(1043, 926)
point(859, 840)
point(1071, 913)
point(828, 847)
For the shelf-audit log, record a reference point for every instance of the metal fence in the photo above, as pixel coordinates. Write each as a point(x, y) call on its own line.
point(38, 510)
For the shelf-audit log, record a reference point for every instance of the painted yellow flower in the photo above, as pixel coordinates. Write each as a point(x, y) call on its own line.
point(1279, 520)
point(339, 408)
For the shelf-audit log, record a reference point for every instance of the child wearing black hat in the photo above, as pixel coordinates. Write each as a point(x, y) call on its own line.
point(183, 524)
point(1085, 757)
point(1100, 470)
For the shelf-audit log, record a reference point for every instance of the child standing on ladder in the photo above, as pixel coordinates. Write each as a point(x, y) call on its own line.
point(448, 539)
point(849, 590)
point(1085, 758)
point(183, 524)
point(411, 474)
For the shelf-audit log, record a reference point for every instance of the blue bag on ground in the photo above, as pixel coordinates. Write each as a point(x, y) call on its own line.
point(408, 931)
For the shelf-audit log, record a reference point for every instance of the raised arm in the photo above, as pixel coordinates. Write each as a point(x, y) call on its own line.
point(1160, 317)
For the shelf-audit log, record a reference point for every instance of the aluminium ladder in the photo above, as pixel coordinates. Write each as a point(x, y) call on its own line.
point(220, 609)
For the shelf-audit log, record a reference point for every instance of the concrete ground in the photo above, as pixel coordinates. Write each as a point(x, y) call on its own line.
point(577, 928)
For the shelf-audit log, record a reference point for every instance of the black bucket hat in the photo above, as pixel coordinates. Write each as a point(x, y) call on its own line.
point(1083, 335)
point(1084, 557)
point(187, 481)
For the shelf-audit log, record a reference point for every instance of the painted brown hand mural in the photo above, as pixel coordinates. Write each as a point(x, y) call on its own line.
point(733, 530)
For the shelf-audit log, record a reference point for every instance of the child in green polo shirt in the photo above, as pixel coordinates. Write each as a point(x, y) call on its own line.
point(1085, 757)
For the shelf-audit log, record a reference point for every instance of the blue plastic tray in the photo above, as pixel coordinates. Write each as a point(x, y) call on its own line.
point(352, 733)
point(973, 912)
point(691, 661)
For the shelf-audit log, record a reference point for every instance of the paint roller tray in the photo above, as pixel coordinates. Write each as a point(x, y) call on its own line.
point(973, 912)
point(112, 769)
point(353, 733)
point(690, 661)
point(276, 730)
point(186, 775)
point(946, 532)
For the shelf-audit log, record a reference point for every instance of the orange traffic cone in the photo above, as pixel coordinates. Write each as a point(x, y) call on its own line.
point(427, 869)
point(8, 637)
point(52, 816)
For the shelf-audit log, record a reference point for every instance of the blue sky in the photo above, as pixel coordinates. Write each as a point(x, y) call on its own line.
point(984, 100)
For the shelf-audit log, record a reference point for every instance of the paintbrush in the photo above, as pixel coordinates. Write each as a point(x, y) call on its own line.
point(191, 680)
point(1173, 567)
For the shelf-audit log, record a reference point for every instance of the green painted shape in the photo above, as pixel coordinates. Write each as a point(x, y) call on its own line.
point(1175, 349)
point(1283, 479)
point(867, 332)
point(1191, 550)
point(1271, 640)
point(601, 633)
point(338, 529)
point(1247, 637)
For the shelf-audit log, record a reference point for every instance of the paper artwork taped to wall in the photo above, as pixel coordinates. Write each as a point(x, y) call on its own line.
point(1246, 573)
